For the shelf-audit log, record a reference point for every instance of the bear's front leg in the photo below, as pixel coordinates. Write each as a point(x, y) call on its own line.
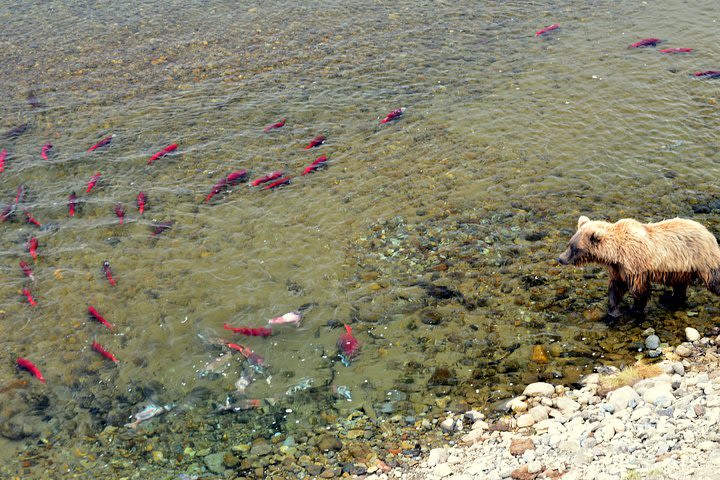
point(616, 291)
point(641, 295)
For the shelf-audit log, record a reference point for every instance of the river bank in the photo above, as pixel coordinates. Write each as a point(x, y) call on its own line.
point(662, 427)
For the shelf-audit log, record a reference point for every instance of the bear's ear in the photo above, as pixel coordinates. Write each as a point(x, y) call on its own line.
point(595, 238)
point(582, 221)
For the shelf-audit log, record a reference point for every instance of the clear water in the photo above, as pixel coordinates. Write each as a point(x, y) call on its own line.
point(506, 140)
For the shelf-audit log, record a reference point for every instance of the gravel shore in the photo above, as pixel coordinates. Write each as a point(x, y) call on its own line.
point(664, 427)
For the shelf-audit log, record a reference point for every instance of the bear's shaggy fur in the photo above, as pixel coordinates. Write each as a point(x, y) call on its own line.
point(672, 252)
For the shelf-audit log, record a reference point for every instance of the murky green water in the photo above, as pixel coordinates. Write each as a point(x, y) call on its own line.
point(434, 236)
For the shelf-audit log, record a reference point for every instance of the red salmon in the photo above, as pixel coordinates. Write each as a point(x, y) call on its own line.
point(99, 348)
point(94, 314)
point(251, 332)
point(93, 181)
point(120, 212)
point(279, 124)
point(395, 114)
point(646, 42)
point(545, 30)
point(108, 273)
point(348, 344)
point(163, 152)
point(44, 151)
point(277, 183)
point(27, 270)
point(101, 143)
point(30, 367)
point(26, 293)
point(72, 203)
point(30, 219)
point(316, 142)
point(141, 201)
point(676, 50)
point(267, 178)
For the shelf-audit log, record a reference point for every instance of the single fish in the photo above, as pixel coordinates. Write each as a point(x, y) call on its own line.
point(8, 212)
point(147, 413)
point(277, 183)
point(26, 364)
point(119, 212)
point(318, 163)
point(247, 377)
point(707, 74)
point(251, 332)
point(141, 201)
point(101, 143)
point(237, 177)
point(274, 126)
point(545, 30)
point(96, 315)
point(45, 150)
point(108, 273)
point(341, 391)
point(27, 270)
point(240, 405)
point(395, 114)
point(293, 318)
point(252, 357)
point(316, 142)
point(646, 42)
point(26, 293)
point(160, 227)
point(99, 348)
point(215, 367)
point(217, 188)
point(72, 204)
point(21, 194)
point(348, 345)
point(676, 50)
point(32, 246)
point(30, 219)
point(3, 156)
point(303, 384)
point(163, 152)
point(267, 178)
point(93, 181)
point(33, 100)
point(15, 131)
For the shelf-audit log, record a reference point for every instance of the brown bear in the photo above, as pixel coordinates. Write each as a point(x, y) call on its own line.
point(672, 252)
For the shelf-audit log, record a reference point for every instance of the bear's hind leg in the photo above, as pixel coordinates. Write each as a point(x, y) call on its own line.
point(713, 283)
point(678, 299)
point(616, 291)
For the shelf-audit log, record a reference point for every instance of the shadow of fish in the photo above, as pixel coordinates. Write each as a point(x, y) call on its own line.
point(15, 131)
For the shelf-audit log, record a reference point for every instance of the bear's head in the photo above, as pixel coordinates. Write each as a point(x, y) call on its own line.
point(585, 245)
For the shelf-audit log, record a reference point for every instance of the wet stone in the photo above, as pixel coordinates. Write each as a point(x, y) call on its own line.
point(260, 447)
point(329, 442)
point(214, 462)
point(429, 316)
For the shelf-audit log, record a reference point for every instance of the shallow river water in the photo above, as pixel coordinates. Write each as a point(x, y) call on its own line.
point(434, 236)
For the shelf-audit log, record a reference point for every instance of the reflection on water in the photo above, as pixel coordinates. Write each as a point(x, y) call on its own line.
point(434, 235)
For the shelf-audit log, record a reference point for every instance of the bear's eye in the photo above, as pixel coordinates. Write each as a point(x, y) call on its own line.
point(594, 239)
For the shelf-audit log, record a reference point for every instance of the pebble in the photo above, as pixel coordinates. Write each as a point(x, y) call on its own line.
point(692, 335)
point(652, 342)
point(683, 350)
point(539, 389)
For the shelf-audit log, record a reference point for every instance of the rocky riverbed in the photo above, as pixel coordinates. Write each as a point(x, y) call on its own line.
point(663, 427)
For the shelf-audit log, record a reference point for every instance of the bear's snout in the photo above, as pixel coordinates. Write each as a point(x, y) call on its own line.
point(565, 257)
